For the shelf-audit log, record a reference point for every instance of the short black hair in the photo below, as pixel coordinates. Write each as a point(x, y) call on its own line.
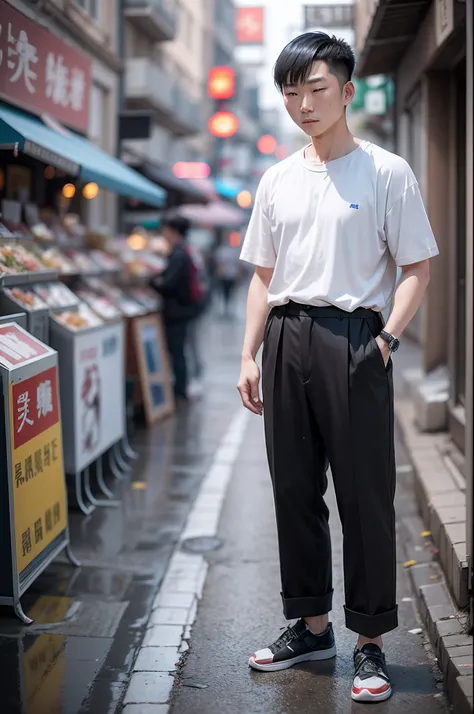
point(172, 219)
point(293, 66)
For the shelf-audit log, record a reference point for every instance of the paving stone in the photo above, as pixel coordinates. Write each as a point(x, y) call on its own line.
point(450, 498)
point(169, 616)
point(449, 627)
point(461, 651)
point(435, 595)
point(457, 640)
point(163, 636)
point(462, 695)
point(146, 709)
point(167, 599)
point(157, 659)
point(149, 688)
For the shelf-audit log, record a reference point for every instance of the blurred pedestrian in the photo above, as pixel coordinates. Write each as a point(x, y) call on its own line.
point(227, 274)
point(174, 285)
point(199, 297)
point(329, 227)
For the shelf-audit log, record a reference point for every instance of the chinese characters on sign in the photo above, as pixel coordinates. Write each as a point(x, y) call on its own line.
point(35, 534)
point(39, 494)
point(249, 25)
point(35, 404)
point(41, 71)
point(328, 17)
point(35, 463)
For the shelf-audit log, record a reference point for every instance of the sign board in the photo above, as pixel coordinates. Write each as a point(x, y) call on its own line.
point(39, 494)
point(99, 398)
point(33, 503)
point(91, 367)
point(249, 22)
point(153, 367)
point(40, 72)
point(328, 16)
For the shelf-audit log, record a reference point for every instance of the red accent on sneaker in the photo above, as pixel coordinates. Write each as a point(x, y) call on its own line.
point(379, 690)
point(262, 661)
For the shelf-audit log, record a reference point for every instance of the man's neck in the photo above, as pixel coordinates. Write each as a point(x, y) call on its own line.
point(333, 144)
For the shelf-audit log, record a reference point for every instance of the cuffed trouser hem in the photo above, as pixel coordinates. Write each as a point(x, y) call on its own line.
point(371, 626)
point(296, 607)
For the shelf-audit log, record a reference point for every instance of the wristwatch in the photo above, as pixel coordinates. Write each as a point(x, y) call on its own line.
point(393, 342)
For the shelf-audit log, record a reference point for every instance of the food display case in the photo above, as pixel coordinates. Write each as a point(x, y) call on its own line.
point(98, 303)
point(147, 297)
point(19, 265)
point(57, 296)
point(127, 305)
point(37, 311)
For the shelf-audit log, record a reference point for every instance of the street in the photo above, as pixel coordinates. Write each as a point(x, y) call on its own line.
point(79, 654)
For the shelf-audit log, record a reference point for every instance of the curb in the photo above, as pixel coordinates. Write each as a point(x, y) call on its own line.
point(447, 626)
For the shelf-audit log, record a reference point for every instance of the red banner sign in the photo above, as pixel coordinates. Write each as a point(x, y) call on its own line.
point(35, 406)
point(40, 72)
point(249, 25)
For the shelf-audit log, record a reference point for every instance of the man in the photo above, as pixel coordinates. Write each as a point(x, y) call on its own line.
point(227, 270)
point(329, 227)
point(174, 285)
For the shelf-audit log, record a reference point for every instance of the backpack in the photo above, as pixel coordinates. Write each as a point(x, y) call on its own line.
point(197, 290)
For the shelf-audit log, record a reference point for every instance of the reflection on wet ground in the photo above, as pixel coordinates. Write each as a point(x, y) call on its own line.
point(77, 655)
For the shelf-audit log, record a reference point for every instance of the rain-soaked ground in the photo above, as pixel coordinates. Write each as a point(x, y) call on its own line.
point(77, 656)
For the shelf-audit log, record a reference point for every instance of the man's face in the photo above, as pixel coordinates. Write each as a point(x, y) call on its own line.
point(318, 103)
point(169, 235)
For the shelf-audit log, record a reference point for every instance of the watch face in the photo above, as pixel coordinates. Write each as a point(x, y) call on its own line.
point(394, 345)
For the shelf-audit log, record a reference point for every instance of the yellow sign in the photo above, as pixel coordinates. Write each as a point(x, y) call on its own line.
point(39, 493)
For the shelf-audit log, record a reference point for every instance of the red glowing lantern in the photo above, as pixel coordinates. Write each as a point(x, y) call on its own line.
point(223, 125)
point(267, 144)
point(221, 83)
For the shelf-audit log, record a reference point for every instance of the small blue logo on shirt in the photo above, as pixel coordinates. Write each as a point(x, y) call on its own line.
point(354, 205)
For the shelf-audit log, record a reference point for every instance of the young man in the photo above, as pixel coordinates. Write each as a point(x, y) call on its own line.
point(329, 227)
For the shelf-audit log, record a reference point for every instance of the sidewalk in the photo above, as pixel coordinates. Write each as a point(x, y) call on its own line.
point(239, 609)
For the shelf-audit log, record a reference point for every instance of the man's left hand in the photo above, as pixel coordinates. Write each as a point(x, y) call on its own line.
point(384, 349)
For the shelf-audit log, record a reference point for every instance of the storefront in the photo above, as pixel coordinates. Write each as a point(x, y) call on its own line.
point(427, 46)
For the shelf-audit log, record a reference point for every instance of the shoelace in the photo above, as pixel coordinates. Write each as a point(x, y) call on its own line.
point(288, 635)
point(370, 663)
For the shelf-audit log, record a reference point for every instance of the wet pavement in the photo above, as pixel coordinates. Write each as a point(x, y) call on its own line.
point(78, 655)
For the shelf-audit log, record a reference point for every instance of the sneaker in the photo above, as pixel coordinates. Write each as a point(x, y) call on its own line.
point(371, 681)
point(297, 644)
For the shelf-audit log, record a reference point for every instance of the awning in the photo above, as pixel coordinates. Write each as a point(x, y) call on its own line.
point(393, 28)
point(75, 155)
point(217, 214)
point(164, 177)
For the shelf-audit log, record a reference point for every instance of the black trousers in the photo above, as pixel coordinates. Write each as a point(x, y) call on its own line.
point(176, 333)
point(328, 399)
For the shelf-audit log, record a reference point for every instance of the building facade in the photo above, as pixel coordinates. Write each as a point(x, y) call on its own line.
point(427, 47)
point(89, 29)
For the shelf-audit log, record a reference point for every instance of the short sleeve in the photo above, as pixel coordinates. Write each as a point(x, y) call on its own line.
point(407, 229)
point(258, 247)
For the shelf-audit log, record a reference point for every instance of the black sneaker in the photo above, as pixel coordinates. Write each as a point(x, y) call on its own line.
point(371, 681)
point(297, 644)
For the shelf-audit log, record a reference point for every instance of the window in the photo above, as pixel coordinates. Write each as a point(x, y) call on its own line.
point(92, 7)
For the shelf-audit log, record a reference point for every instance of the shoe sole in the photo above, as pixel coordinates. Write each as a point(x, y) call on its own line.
point(310, 657)
point(366, 696)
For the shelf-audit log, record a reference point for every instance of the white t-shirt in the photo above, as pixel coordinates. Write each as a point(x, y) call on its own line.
point(336, 232)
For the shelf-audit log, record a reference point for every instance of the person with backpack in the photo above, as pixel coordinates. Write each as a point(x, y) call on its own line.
point(177, 286)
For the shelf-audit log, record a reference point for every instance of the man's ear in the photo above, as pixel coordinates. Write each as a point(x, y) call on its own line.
point(348, 92)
